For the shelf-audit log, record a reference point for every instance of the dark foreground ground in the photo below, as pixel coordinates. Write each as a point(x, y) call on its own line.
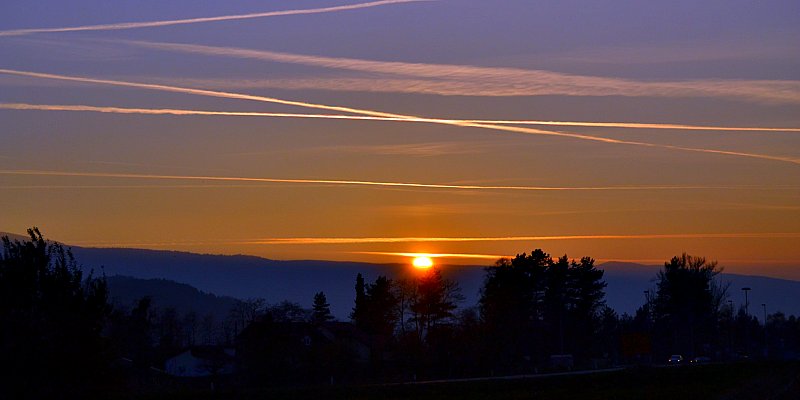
point(777, 380)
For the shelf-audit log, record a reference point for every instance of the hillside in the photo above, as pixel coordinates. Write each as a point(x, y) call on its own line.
point(125, 291)
point(627, 283)
point(241, 276)
point(248, 276)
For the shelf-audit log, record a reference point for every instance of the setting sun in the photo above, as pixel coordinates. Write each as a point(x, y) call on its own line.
point(422, 262)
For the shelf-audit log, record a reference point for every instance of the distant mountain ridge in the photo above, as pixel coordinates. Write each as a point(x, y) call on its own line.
point(250, 276)
point(628, 281)
point(14, 236)
point(243, 276)
point(126, 291)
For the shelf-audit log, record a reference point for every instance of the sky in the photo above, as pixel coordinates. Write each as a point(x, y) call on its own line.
point(365, 131)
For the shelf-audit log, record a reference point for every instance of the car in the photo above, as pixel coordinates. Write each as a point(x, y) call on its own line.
point(675, 359)
point(700, 360)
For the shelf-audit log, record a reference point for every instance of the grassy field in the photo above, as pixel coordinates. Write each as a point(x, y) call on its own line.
point(724, 381)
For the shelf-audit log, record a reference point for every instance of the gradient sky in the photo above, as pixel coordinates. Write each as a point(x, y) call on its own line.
point(712, 63)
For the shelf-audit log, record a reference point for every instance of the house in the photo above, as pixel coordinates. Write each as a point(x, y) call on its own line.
point(294, 351)
point(347, 335)
point(201, 361)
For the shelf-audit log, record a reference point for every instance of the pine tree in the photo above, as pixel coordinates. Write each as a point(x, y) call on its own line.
point(359, 314)
point(321, 309)
point(380, 307)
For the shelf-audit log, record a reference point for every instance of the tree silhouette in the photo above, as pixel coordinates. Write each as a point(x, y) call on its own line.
point(51, 318)
point(404, 291)
point(169, 333)
point(286, 311)
point(533, 306)
point(132, 333)
point(375, 310)
point(190, 325)
point(556, 302)
point(359, 314)
point(375, 313)
point(245, 312)
point(609, 334)
point(434, 301)
point(510, 308)
point(381, 305)
point(586, 293)
point(321, 310)
point(687, 305)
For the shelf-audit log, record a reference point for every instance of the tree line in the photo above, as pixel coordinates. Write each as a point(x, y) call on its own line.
point(534, 312)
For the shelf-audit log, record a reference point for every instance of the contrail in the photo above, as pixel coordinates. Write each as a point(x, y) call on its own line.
point(136, 25)
point(58, 187)
point(762, 91)
point(494, 81)
point(338, 182)
point(515, 129)
point(385, 240)
point(172, 111)
point(432, 255)
point(374, 240)
point(638, 125)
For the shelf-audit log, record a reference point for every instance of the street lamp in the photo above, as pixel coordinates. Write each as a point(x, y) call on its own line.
point(746, 313)
point(746, 302)
point(766, 343)
point(730, 330)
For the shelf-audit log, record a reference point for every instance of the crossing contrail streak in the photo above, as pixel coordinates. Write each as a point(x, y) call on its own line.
point(339, 182)
point(515, 129)
point(447, 79)
point(638, 125)
point(151, 24)
point(172, 111)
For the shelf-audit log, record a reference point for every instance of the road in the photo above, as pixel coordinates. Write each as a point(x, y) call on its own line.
point(507, 377)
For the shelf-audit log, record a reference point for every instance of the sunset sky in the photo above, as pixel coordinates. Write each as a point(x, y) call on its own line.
point(156, 125)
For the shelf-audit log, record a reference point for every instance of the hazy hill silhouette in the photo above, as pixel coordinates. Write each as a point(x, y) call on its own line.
point(126, 291)
point(298, 281)
point(628, 281)
point(242, 276)
point(13, 236)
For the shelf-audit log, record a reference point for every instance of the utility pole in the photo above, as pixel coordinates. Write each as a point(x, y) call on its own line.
point(730, 329)
point(746, 333)
point(746, 302)
point(766, 343)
